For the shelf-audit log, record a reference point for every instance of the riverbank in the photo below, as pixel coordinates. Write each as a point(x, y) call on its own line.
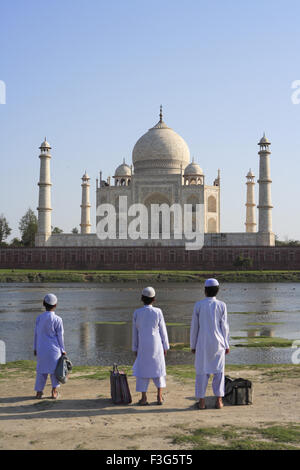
point(85, 418)
point(40, 276)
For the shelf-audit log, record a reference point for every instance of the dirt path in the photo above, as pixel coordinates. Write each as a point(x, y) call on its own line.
point(85, 418)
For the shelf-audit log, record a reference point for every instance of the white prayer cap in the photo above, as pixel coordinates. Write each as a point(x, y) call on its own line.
point(50, 299)
point(211, 282)
point(148, 292)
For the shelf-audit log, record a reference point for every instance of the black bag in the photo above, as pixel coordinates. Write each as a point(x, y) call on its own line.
point(238, 391)
point(119, 387)
point(63, 368)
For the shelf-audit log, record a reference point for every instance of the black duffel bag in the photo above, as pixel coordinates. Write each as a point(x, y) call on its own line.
point(238, 391)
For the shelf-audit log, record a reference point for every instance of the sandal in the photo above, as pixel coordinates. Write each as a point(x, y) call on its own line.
point(39, 395)
point(219, 406)
point(141, 403)
point(199, 407)
point(55, 395)
point(159, 402)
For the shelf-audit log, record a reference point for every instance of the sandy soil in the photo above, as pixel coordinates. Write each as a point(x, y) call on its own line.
point(84, 417)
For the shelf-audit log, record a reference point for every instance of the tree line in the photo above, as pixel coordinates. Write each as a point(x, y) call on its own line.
point(28, 227)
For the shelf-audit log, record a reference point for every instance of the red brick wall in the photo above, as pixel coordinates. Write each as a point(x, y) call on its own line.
point(148, 258)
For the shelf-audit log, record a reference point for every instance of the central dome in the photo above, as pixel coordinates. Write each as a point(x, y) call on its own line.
point(160, 149)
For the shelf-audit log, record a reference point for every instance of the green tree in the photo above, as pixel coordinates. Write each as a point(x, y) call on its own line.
point(293, 243)
point(75, 230)
point(28, 227)
point(287, 242)
point(57, 230)
point(5, 230)
point(16, 242)
point(243, 262)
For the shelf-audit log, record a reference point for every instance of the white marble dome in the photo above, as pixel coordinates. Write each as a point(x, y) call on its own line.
point(264, 140)
point(160, 149)
point(123, 170)
point(45, 144)
point(193, 169)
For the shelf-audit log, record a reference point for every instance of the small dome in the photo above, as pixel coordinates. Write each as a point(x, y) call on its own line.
point(85, 176)
point(123, 170)
point(45, 145)
point(250, 174)
point(264, 140)
point(193, 169)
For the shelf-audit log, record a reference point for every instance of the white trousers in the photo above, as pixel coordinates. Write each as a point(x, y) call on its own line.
point(217, 385)
point(41, 380)
point(143, 382)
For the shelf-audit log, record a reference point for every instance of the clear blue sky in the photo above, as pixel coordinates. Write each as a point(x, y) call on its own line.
point(90, 75)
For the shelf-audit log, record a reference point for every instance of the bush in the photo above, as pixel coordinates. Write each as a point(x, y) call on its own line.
point(243, 262)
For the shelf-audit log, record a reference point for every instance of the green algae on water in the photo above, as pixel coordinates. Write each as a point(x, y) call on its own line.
point(262, 342)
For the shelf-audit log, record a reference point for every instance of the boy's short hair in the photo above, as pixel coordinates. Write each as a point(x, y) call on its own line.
point(211, 291)
point(147, 300)
point(49, 307)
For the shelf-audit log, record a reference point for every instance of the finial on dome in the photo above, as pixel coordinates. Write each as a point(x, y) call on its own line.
point(160, 114)
point(45, 144)
point(85, 176)
point(264, 140)
point(250, 174)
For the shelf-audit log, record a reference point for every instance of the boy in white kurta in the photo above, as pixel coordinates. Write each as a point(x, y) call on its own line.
point(210, 342)
point(48, 345)
point(150, 344)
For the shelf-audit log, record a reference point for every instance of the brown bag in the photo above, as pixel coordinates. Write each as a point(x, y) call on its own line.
point(119, 387)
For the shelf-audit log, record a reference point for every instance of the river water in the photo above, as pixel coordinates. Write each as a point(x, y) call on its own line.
point(97, 318)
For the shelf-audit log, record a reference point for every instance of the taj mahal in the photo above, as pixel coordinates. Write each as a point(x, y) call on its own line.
point(161, 173)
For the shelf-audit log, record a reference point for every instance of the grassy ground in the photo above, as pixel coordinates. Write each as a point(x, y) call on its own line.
point(267, 371)
point(226, 437)
point(25, 275)
point(180, 371)
point(90, 420)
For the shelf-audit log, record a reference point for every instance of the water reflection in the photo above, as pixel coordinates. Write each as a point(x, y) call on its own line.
point(118, 336)
point(84, 335)
point(97, 318)
point(259, 356)
point(112, 336)
point(267, 332)
point(264, 331)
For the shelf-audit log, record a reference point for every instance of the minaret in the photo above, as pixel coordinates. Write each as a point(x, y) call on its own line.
point(265, 204)
point(85, 205)
point(44, 208)
point(250, 203)
point(217, 180)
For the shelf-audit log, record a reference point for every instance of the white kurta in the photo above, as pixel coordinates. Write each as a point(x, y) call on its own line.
point(48, 341)
point(149, 340)
point(209, 335)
